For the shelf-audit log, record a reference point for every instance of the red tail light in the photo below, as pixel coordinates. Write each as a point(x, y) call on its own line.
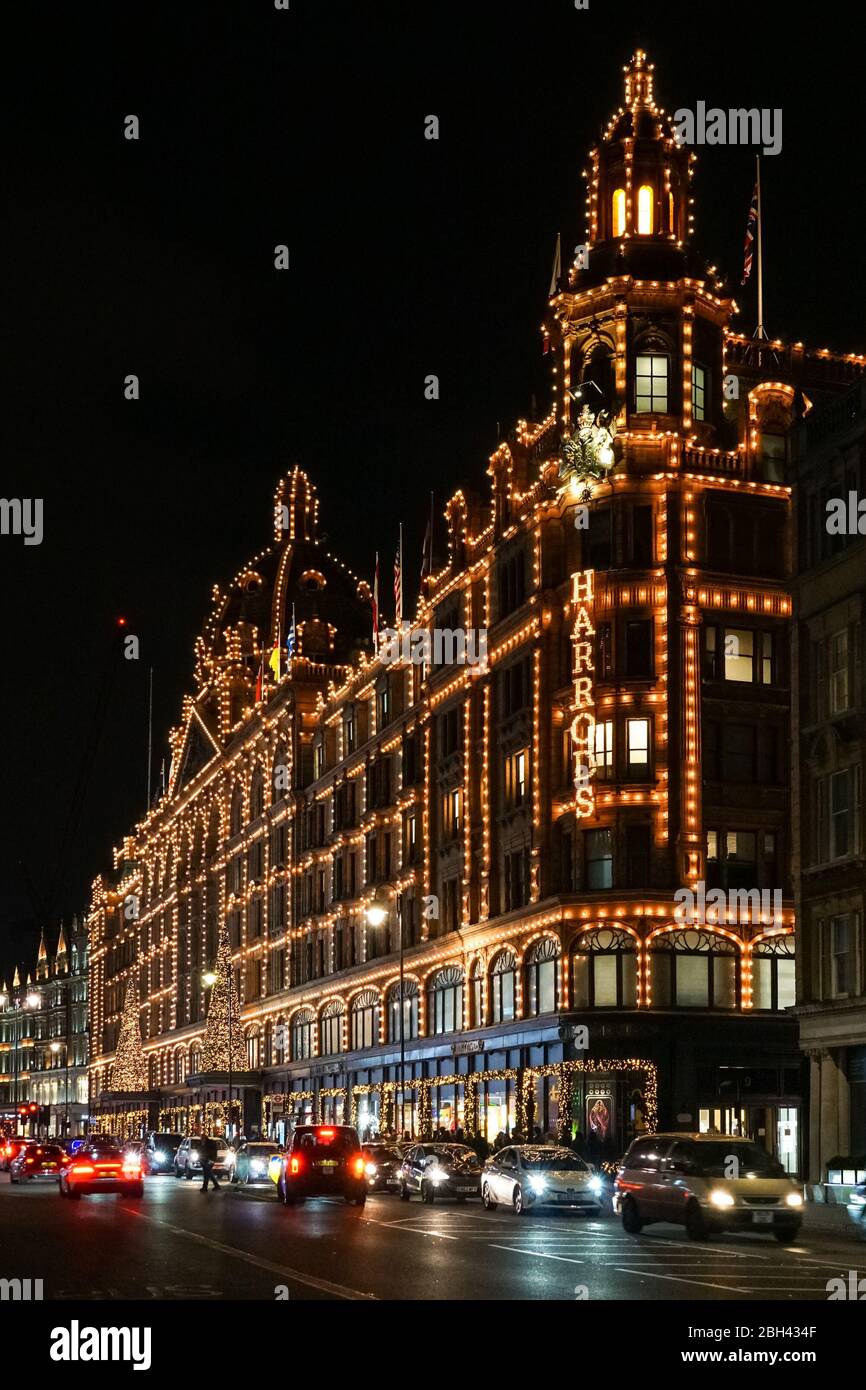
point(359, 1167)
point(325, 1132)
point(30, 1160)
point(294, 1165)
point(82, 1168)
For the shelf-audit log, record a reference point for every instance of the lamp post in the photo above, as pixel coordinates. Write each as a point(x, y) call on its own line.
point(377, 915)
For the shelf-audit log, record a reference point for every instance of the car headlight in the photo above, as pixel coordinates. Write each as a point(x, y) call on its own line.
point(371, 1170)
point(794, 1199)
point(193, 1153)
point(720, 1198)
point(160, 1154)
point(595, 1185)
point(438, 1175)
point(538, 1184)
point(256, 1165)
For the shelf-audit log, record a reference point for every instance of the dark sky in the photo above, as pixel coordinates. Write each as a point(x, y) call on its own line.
point(408, 257)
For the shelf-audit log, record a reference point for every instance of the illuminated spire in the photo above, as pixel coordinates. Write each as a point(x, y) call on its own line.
point(639, 82)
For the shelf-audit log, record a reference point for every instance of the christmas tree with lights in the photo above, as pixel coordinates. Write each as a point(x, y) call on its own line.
point(223, 1017)
point(129, 1072)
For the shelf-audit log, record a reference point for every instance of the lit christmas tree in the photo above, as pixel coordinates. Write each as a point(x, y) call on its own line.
point(129, 1072)
point(223, 1009)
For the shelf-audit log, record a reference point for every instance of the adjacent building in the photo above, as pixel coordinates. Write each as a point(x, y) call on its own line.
point(829, 747)
point(539, 881)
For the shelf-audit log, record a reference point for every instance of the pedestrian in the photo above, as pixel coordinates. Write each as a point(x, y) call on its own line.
point(458, 1134)
point(209, 1155)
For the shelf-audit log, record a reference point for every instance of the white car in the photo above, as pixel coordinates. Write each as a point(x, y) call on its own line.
point(187, 1160)
point(527, 1176)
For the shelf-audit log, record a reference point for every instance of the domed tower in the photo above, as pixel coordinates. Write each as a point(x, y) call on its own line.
point(638, 327)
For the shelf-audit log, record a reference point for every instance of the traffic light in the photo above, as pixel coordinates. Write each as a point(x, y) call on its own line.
point(33, 1107)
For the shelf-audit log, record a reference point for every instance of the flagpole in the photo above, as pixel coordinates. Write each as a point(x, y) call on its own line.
point(761, 333)
point(401, 574)
point(149, 736)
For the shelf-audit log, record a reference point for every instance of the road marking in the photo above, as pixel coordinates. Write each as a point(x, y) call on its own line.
point(704, 1283)
point(413, 1230)
point(540, 1254)
point(311, 1280)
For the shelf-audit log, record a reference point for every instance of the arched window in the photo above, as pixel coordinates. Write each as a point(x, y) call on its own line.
point(253, 1052)
point(445, 1001)
point(645, 210)
point(179, 1067)
point(281, 1036)
point(773, 973)
point(476, 996)
point(410, 1011)
point(618, 212)
point(280, 773)
point(694, 970)
point(365, 1020)
point(604, 970)
point(331, 1029)
point(302, 1035)
point(503, 991)
point(194, 1059)
point(542, 977)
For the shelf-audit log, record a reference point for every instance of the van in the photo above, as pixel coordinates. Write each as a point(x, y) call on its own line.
point(708, 1183)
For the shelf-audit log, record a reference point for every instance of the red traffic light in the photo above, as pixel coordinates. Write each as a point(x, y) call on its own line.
point(22, 1110)
point(33, 1107)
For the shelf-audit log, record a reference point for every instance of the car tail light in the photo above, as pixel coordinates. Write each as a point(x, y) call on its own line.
point(294, 1164)
point(30, 1160)
point(83, 1168)
point(325, 1132)
point(359, 1167)
point(132, 1167)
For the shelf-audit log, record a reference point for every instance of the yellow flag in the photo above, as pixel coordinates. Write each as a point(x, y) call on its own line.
point(274, 662)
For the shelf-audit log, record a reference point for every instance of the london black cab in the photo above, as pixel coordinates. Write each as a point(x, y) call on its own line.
point(101, 1167)
point(708, 1183)
point(321, 1161)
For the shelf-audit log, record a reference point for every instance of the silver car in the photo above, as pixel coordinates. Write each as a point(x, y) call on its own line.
point(528, 1176)
point(708, 1183)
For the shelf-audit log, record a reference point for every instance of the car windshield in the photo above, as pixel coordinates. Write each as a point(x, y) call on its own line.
point(454, 1155)
point(166, 1141)
point(260, 1150)
point(380, 1152)
point(553, 1161)
point(714, 1160)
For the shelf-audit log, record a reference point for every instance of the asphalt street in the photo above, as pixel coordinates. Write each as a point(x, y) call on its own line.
point(177, 1243)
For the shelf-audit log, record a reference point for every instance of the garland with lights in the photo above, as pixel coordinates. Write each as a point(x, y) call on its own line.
point(222, 1037)
point(129, 1069)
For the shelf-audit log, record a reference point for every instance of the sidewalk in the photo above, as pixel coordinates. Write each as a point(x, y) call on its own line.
point(829, 1219)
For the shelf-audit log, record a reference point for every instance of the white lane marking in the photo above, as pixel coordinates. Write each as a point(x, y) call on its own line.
point(704, 1283)
point(540, 1254)
point(413, 1230)
point(311, 1280)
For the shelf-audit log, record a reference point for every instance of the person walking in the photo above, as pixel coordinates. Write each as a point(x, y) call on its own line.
point(209, 1155)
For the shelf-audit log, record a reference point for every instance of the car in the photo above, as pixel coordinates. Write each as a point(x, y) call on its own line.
point(382, 1163)
point(438, 1170)
point(187, 1160)
point(10, 1149)
point(709, 1183)
point(37, 1163)
point(321, 1161)
point(249, 1163)
point(159, 1151)
point(528, 1176)
point(101, 1167)
point(857, 1206)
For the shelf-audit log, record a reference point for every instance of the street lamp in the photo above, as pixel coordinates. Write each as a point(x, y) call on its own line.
point(376, 913)
point(209, 979)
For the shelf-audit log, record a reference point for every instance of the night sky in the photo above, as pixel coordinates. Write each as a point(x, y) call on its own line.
point(408, 257)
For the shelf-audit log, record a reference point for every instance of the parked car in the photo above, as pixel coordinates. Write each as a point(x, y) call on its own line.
point(382, 1163)
point(708, 1183)
point(249, 1163)
point(37, 1163)
point(322, 1160)
point(528, 1176)
point(857, 1206)
point(187, 1160)
point(101, 1167)
point(440, 1170)
point(159, 1151)
point(10, 1150)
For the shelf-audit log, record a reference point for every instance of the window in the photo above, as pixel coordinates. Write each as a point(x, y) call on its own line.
point(502, 990)
point(542, 977)
point(637, 854)
point(739, 654)
point(738, 865)
point(839, 672)
point(642, 535)
point(349, 731)
point(410, 1011)
point(331, 1029)
point(516, 867)
point(604, 970)
point(773, 974)
point(512, 583)
point(598, 539)
point(365, 1020)
point(839, 957)
point(604, 650)
point(515, 687)
point(644, 210)
point(844, 812)
point(383, 707)
point(638, 650)
point(604, 750)
point(739, 757)
point(302, 1036)
point(637, 746)
point(694, 970)
point(445, 1001)
point(599, 859)
point(515, 778)
point(651, 383)
point(411, 840)
point(618, 209)
point(451, 812)
point(699, 392)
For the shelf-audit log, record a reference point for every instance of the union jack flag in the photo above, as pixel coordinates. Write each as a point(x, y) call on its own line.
point(750, 236)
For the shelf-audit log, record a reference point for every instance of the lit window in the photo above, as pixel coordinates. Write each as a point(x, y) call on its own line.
point(839, 672)
point(651, 383)
point(637, 733)
point(604, 749)
point(699, 392)
point(671, 226)
point(619, 211)
point(515, 778)
point(739, 654)
point(644, 210)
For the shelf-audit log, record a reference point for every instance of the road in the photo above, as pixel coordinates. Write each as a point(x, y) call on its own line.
point(177, 1243)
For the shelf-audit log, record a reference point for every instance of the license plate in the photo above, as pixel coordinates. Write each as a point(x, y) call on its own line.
point(762, 1218)
point(465, 1189)
point(328, 1163)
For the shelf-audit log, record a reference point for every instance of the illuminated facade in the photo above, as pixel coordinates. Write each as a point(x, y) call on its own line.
point(525, 822)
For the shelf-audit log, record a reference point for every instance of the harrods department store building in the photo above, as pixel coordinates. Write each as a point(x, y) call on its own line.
point(524, 822)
